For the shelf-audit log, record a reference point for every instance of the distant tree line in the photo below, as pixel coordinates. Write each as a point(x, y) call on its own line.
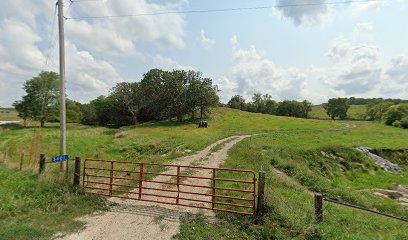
point(266, 105)
point(159, 95)
point(365, 101)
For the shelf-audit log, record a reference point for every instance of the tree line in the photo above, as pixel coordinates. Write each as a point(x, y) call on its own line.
point(159, 95)
point(266, 105)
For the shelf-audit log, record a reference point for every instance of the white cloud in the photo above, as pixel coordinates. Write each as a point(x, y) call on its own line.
point(101, 40)
point(20, 57)
point(398, 70)
point(362, 7)
point(169, 63)
point(363, 28)
point(309, 12)
point(358, 70)
point(87, 77)
point(251, 73)
point(118, 35)
point(205, 41)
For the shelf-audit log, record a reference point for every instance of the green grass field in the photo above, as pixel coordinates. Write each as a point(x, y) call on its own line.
point(294, 146)
point(356, 112)
point(8, 114)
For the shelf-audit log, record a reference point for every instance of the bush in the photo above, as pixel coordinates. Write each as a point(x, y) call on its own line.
point(396, 123)
point(396, 112)
point(404, 123)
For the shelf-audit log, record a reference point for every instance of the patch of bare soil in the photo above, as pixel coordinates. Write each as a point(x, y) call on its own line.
point(399, 193)
point(131, 219)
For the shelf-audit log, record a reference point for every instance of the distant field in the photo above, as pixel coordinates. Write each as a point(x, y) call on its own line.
point(8, 114)
point(356, 112)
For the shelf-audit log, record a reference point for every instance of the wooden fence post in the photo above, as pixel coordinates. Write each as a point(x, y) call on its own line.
point(318, 207)
point(21, 161)
point(261, 193)
point(77, 171)
point(42, 163)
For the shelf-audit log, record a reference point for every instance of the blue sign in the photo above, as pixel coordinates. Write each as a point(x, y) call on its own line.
point(60, 158)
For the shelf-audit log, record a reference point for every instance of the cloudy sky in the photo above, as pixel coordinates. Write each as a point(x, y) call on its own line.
point(314, 51)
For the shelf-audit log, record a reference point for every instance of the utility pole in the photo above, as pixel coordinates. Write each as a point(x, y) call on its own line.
point(61, 20)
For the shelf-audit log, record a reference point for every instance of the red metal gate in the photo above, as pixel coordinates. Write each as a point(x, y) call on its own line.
point(219, 189)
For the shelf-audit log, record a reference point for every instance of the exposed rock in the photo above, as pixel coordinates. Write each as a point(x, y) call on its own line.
point(400, 193)
point(382, 162)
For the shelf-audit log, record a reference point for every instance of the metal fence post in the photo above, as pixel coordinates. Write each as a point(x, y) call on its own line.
point(213, 189)
point(140, 181)
point(318, 207)
point(77, 171)
point(178, 185)
point(261, 192)
point(42, 163)
point(111, 179)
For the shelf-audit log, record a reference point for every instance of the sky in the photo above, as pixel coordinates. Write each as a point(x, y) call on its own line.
point(312, 49)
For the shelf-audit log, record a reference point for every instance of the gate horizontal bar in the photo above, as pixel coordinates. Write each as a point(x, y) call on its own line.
point(184, 205)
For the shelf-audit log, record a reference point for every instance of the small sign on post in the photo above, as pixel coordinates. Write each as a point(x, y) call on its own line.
point(60, 158)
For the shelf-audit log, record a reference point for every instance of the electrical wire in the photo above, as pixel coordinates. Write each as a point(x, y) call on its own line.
point(217, 10)
point(51, 40)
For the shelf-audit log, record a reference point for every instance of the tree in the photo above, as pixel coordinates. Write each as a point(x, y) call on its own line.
point(294, 109)
point(42, 92)
point(237, 102)
point(396, 113)
point(73, 112)
point(337, 107)
point(23, 109)
point(127, 97)
point(208, 96)
point(376, 111)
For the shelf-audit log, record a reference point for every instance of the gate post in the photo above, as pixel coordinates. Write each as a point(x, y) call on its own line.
point(213, 189)
point(318, 207)
point(111, 179)
point(178, 185)
point(140, 181)
point(77, 171)
point(261, 192)
point(41, 164)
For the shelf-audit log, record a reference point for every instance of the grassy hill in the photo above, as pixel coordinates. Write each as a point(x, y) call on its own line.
point(356, 112)
point(296, 147)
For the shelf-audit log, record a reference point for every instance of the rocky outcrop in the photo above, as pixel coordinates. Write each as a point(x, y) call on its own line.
point(382, 162)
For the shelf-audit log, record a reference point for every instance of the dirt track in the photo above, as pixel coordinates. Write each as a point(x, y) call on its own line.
point(130, 219)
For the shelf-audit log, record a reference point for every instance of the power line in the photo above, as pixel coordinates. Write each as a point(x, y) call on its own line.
point(51, 41)
point(216, 10)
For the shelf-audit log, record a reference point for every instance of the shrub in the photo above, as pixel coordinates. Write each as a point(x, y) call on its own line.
point(404, 123)
point(397, 123)
point(396, 112)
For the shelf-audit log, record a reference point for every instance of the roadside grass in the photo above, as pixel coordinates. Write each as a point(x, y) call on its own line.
point(31, 208)
point(356, 112)
point(8, 114)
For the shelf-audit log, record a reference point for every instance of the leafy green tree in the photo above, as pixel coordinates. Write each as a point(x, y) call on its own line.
point(126, 96)
point(396, 113)
point(237, 102)
point(306, 108)
point(293, 108)
point(376, 111)
point(208, 96)
point(41, 93)
point(73, 112)
point(23, 109)
point(337, 107)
